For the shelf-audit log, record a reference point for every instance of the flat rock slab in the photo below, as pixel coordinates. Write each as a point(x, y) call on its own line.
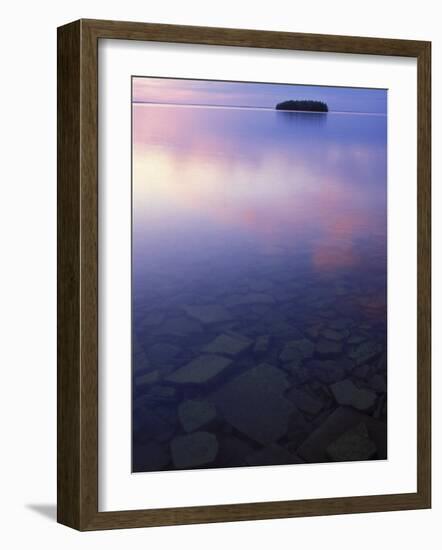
point(295, 349)
point(363, 371)
point(355, 444)
point(305, 402)
point(262, 344)
point(147, 379)
point(378, 383)
point(195, 413)
point(326, 371)
point(341, 420)
point(254, 403)
point(328, 348)
point(196, 449)
point(272, 455)
point(200, 370)
point(208, 314)
point(365, 352)
point(346, 393)
point(157, 393)
point(228, 344)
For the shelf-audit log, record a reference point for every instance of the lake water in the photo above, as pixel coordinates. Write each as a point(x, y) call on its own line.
point(259, 287)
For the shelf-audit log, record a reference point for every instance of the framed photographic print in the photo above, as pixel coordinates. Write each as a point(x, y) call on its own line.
point(243, 275)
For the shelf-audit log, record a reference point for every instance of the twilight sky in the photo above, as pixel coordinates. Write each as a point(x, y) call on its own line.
point(248, 94)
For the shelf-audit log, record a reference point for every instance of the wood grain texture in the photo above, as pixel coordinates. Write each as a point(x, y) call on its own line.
point(424, 275)
point(68, 275)
point(78, 274)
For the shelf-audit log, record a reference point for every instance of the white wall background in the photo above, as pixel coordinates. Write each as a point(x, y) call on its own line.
point(28, 271)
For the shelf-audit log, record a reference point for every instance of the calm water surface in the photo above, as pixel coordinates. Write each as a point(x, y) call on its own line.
point(259, 287)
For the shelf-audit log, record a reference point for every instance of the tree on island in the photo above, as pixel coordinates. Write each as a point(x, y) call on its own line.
point(303, 105)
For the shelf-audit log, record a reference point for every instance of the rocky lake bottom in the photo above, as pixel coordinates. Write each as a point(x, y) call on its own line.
point(269, 363)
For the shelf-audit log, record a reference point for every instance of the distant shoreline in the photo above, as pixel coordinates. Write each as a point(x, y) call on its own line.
point(304, 105)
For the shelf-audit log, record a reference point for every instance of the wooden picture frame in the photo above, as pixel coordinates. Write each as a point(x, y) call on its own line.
point(78, 274)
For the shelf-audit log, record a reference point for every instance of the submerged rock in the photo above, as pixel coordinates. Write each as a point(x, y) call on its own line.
point(327, 371)
point(208, 314)
point(254, 403)
point(328, 348)
point(228, 344)
point(262, 344)
point(346, 393)
point(195, 413)
point(147, 379)
point(160, 393)
point(200, 370)
point(363, 371)
point(291, 355)
point(355, 444)
point(365, 352)
point(343, 419)
point(295, 368)
point(378, 383)
point(196, 449)
point(304, 401)
point(295, 349)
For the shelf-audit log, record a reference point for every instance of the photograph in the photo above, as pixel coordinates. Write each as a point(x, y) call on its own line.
point(259, 274)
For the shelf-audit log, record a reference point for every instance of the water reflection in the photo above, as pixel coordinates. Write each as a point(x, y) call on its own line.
point(259, 238)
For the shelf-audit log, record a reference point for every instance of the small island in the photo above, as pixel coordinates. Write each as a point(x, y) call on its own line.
point(303, 105)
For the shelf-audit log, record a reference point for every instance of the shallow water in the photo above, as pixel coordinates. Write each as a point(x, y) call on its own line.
point(259, 287)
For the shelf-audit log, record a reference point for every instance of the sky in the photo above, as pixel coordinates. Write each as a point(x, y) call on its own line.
point(250, 94)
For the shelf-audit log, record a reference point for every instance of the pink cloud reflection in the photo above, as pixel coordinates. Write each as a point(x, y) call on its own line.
point(186, 170)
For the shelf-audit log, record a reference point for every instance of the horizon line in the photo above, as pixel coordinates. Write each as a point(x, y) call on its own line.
point(250, 108)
